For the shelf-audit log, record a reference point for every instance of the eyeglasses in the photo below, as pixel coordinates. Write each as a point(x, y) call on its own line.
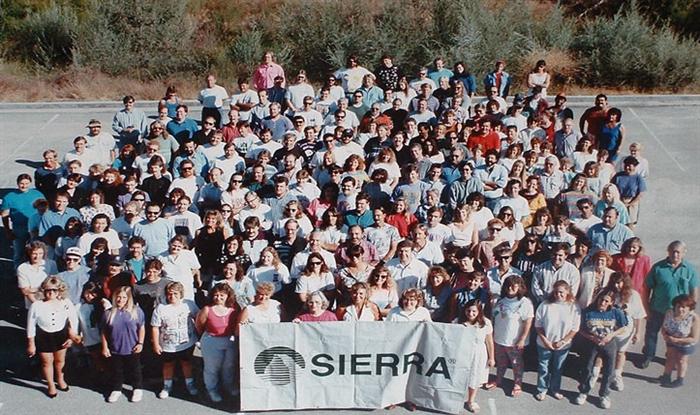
point(186, 168)
point(226, 211)
point(236, 181)
point(316, 263)
point(152, 213)
point(51, 290)
point(140, 199)
point(382, 276)
point(501, 258)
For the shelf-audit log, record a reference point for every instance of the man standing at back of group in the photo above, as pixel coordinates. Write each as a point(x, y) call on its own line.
point(130, 124)
point(212, 99)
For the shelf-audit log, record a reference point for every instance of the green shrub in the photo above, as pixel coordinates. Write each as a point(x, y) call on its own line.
point(46, 39)
point(143, 39)
point(627, 51)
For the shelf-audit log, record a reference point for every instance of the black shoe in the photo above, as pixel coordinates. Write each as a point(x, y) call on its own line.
point(644, 363)
point(676, 383)
point(52, 395)
point(665, 380)
point(66, 389)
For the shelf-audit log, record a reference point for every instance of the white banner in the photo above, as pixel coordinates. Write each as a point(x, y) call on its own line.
point(353, 365)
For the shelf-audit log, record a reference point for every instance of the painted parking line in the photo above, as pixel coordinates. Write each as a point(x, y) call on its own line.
point(661, 144)
point(26, 141)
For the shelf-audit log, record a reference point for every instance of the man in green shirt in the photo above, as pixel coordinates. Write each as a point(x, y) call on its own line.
point(667, 279)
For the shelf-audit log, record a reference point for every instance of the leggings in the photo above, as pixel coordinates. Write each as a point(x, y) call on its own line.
point(507, 355)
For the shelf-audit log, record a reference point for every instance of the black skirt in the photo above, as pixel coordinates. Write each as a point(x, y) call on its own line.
point(50, 342)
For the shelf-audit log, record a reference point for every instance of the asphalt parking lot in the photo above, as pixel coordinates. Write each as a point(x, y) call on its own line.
point(670, 133)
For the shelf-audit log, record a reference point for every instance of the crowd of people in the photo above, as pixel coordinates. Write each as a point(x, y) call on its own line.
point(378, 197)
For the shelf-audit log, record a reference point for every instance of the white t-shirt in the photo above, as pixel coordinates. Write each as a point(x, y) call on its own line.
point(277, 276)
point(31, 277)
point(112, 237)
point(307, 284)
point(509, 315)
point(179, 268)
point(557, 320)
point(398, 314)
point(176, 324)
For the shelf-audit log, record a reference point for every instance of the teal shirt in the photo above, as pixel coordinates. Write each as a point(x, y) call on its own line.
point(20, 206)
point(666, 283)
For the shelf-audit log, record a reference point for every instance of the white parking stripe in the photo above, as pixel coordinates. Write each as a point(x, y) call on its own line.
point(651, 133)
point(11, 156)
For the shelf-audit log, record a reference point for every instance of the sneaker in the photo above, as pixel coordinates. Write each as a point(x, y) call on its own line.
point(581, 399)
point(558, 396)
point(540, 396)
point(605, 402)
point(114, 396)
point(192, 389)
point(164, 393)
point(617, 384)
point(665, 380)
point(215, 397)
point(645, 363)
point(137, 395)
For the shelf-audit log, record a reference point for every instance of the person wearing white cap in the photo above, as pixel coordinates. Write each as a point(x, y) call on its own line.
point(101, 143)
point(75, 275)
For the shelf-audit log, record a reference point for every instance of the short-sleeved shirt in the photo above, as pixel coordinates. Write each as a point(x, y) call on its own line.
point(179, 268)
point(122, 331)
point(20, 205)
point(176, 324)
point(666, 283)
point(601, 323)
point(509, 315)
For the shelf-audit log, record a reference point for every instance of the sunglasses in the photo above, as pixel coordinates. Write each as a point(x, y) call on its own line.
point(51, 290)
point(139, 200)
point(316, 263)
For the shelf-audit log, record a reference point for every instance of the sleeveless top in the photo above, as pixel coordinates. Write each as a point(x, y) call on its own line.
point(219, 326)
point(172, 107)
point(609, 137)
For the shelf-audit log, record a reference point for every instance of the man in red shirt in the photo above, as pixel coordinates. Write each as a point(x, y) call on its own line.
point(231, 129)
point(488, 138)
point(595, 117)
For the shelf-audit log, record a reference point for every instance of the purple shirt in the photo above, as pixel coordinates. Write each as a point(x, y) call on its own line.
point(123, 333)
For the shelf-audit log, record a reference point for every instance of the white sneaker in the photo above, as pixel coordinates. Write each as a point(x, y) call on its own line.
point(114, 396)
point(605, 402)
point(215, 397)
point(137, 395)
point(192, 389)
point(581, 399)
point(164, 394)
point(617, 384)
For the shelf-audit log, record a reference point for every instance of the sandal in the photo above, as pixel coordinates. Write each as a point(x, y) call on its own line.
point(558, 396)
point(490, 385)
point(473, 407)
point(516, 391)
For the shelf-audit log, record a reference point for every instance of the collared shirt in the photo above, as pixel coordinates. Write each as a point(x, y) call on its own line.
point(265, 74)
point(134, 118)
point(609, 239)
point(495, 279)
point(411, 275)
point(565, 144)
point(365, 220)
point(545, 275)
point(666, 283)
point(495, 173)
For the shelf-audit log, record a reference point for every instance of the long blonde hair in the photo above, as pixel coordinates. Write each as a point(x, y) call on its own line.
point(130, 307)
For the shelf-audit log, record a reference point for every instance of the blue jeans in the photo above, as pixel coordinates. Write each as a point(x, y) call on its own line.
point(549, 368)
point(651, 335)
point(18, 249)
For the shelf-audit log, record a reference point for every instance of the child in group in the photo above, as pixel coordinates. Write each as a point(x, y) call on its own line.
point(123, 333)
point(480, 332)
point(681, 330)
point(174, 337)
point(89, 316)
point(473, 290)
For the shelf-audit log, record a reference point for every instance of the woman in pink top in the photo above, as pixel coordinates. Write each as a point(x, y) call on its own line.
point(632, 261)
point(217, 321)
point(317, 309)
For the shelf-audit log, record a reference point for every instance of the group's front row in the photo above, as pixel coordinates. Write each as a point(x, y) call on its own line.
point(117, 332)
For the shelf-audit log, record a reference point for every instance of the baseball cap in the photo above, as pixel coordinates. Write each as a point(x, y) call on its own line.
point(94, 123)
point(74, 251)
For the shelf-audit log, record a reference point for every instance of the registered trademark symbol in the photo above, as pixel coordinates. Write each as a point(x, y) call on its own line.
point(451, 361)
